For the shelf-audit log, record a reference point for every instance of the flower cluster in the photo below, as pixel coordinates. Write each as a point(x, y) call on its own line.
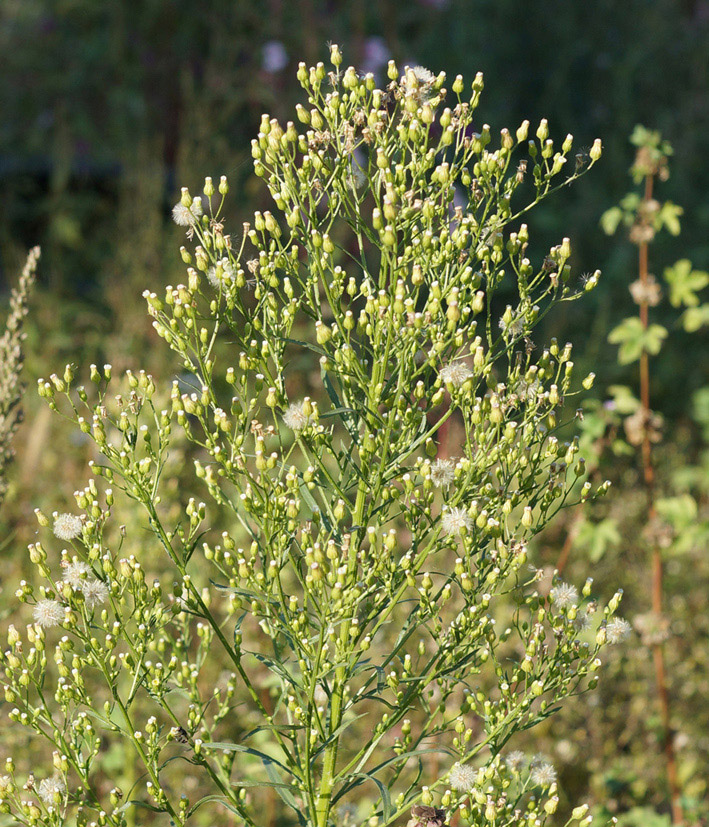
point(352, 566)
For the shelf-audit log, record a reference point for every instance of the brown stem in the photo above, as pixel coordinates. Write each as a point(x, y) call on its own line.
point(656, 558)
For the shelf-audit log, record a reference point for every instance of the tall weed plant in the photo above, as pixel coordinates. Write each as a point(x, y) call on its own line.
point(369, 604)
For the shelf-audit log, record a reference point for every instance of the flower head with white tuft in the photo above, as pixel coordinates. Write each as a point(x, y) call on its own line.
point(618, 630)
point(443, 472)
point(67, 526)
point(462, 777)
point(48, 613)
point(51, 788)
point(455, 521)
point(455, 374)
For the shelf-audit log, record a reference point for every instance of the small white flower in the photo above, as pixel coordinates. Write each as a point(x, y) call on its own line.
point(455, 520)
point(94, 591)
point(455, 374)
point(443, 472)
point(48, 613)
point(543, 774)
point(618, 630)
point(67, 526)
point(49, 787)
point(5, 785)
point(516, 760)
point(462, 777)
point(295, 419)
point(563, 595)
point(75, 573)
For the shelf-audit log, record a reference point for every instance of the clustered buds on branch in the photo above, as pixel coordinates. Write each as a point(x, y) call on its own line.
point(372, 579)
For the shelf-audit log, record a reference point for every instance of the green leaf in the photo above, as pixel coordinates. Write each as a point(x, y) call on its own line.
point(209, 798)
point(598, 538)
point(387, 809)
point(624, 399)
point(610, 220)
point(266, 760)
point(680, 512)
point(634, 339)
point(684, 283)
point(695, 318)
point(668, 217)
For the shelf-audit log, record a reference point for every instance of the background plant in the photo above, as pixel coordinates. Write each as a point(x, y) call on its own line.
point(656, 527)
point(372, 581)
point(11, 361)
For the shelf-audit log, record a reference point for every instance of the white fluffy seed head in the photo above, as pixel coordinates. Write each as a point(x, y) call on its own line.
point(455, 374)
point(455, 521)
point(48, 613)
point(67, 526)
point(462, 777)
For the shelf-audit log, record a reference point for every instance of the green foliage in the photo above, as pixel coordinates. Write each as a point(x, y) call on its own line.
point(685, 283)
point(633, 339)
point(379, 591)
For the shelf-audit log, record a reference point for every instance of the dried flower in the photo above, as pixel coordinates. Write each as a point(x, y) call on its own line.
point(543, 774)
point(647, 292)
point(48, 613)
point(455, 374)
point(653, 628)
point(516, 760)
point(462, 777)
point(563, 595)
point(67, 526)
point(424, 816)
point(49, 788)
point(618, 630)
point(443, 472)
point(456, 520)
point(94, 591)
point(295, 419)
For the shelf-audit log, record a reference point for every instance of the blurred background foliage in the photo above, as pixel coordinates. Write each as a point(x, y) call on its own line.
point(106, 109)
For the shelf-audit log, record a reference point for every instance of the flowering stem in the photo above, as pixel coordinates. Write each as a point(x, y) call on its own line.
point(656, 557)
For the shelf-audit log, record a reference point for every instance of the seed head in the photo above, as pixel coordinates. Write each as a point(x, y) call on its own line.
point(48, 613)
point(295, 419)
point(516, 760)
point(67, 526)
point(75, 573)
point(543, 774)
point(50, 787)
point(94, 591)
point(618, 630)
point(456, 520)
point(455, 374)
point(563, 595)
point(462, 777)
point(443, 472)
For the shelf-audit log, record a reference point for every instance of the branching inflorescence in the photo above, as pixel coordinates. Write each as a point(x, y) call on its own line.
point(387, 594)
